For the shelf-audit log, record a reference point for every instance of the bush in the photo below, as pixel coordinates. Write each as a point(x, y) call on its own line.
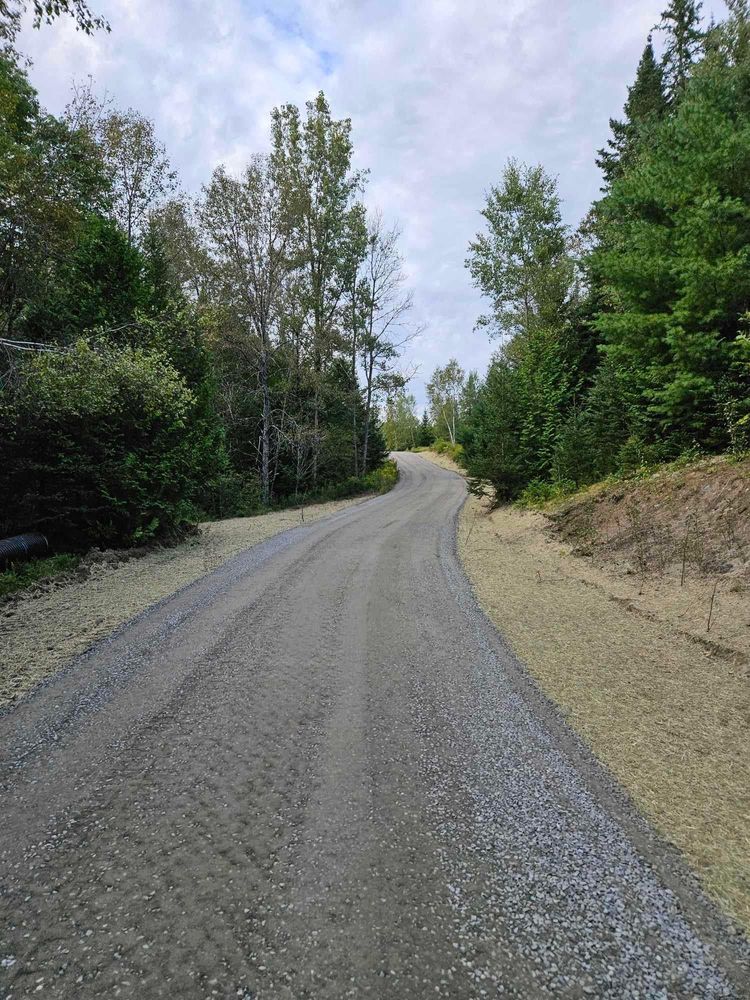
point(382, 479)
point(454, 451)
point(538, 493)
point(97, 448)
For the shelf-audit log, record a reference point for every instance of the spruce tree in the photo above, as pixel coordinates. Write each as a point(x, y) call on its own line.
point(681, 23)
point(646, 105)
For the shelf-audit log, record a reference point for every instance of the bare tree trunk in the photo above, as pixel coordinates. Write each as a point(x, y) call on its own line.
point(355, 386)
point(265, 458)
point(368, 411)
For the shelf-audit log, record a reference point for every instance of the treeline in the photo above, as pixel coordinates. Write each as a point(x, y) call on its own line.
point(165, 358)
point(625, 343)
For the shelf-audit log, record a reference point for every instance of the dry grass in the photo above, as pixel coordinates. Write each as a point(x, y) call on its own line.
point(43, 629)
point(668, 714)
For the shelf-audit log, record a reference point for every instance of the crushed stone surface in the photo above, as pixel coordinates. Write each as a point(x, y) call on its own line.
point(42, 630)
point(319, 772)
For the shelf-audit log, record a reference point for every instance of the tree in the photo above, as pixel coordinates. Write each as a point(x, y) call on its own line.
point(312, 160)
point(401, 425)
point(384, 305)
point(175, 227)
point(249, 231)
point(50, 180)
point(425, 434)
point(96, 447)
point(493, 455)
point(521, 264)
point(681, 25)
point(137, 163)
point(101, 284)
point(46, 11)
point(646, 106)
point(444, 391)
point(677, 272)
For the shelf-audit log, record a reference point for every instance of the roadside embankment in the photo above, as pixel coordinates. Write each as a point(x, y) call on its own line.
point(41, 629)
point(595, 608)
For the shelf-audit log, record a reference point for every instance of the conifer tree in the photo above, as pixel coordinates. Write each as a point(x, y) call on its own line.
point(645, 106)
point(681, 23)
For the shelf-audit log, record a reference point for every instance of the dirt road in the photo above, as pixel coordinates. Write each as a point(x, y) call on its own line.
point(319, 773)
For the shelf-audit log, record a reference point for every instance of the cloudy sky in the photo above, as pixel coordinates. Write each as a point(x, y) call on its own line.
point(440, 92)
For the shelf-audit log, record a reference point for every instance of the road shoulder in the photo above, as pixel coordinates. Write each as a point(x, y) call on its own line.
point(666, 715)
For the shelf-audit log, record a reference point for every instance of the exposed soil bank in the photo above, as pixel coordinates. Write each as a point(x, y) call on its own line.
point(42, 630)
point(626, 656)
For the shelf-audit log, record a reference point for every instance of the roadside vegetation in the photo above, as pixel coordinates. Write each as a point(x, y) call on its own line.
point(167, 358)
point(622, 345)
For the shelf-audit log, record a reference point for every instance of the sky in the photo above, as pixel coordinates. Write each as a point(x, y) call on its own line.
point(440, 92)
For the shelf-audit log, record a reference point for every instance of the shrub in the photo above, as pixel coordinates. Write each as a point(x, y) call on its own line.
point(97, 447)
point(538, 493)
point(382, 479)
point(454, 451)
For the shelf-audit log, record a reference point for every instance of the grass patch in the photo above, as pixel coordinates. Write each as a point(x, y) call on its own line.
point(19, 576)
point(538, 494)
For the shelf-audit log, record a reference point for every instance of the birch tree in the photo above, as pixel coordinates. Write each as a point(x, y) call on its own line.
point(249, 235)
point(386, 304)
point(444, 392)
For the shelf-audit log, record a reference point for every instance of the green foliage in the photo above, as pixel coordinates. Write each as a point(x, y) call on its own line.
point(678, 266)
point(681, 25)
point(453, 451)
point(426, 432)
point(539, 493)
point(97, 447)
point(521, 261)
point(50, 180)
point(45, 12)
point(382, 479)
point(401, 426)
point(645, 107)
point(100, 284)
point(19, 576)
point(379, 480)
point(184, 370)
point(645, 361)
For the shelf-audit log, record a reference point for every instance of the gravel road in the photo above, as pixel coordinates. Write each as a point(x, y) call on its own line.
point(318, 772)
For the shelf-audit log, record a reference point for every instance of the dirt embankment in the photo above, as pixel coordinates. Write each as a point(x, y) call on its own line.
point(43, 628)
point(593, 599)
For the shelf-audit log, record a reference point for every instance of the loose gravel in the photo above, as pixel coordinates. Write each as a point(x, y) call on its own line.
point(43, 630)
point(320, 773)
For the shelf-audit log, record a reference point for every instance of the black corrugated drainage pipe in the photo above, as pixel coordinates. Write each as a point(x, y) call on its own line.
point(22, 547)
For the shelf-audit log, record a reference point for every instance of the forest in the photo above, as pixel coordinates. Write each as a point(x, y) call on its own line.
point(167, 357)
point(624, 343)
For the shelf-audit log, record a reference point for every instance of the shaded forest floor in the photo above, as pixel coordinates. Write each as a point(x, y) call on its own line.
point(591, 596)
point(45, 626)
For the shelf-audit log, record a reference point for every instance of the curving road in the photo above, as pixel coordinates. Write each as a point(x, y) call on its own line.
point(319, 773)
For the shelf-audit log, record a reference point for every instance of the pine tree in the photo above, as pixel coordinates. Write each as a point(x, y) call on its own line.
point(646, 105)
point(425, 435)
point(681, 23)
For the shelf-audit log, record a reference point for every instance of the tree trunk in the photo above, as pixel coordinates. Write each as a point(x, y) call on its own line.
point(368, 410)
point(265, 456)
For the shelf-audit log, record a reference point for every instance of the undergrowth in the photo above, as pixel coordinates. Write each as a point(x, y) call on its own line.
point(18, 576)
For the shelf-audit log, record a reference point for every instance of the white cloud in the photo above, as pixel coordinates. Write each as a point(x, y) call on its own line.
point(441, 93)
